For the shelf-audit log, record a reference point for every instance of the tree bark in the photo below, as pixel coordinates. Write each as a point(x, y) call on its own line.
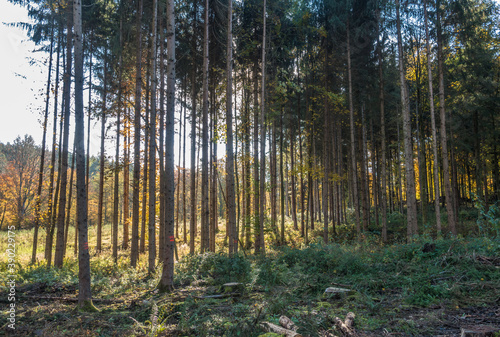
point(44, 136)
point(167, 277)
point(84, 290)
point(433, 123)
point(58, 257)
point(353, 143)
point(134, 245)
point(152, 151)
point(411, 200)
point(205, 212)
point(444, 139)
point(231, 207)
point(262, 194)
point(116, 198)
point(101, 160)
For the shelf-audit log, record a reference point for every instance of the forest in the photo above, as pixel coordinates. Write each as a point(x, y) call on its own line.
point(250, 155)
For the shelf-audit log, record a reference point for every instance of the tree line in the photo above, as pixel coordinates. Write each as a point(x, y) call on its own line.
point(332, 114)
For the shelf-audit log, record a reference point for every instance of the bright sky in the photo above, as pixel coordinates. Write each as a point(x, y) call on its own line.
point(20, 83)
point(23, 80)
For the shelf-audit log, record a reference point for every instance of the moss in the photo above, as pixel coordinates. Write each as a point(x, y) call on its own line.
point(88, 306)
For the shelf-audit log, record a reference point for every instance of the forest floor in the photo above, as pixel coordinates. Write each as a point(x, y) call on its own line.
point(426, 288)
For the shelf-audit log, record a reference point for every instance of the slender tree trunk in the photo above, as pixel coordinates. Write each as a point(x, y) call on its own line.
point(214, 169)
point(365, 190)
point(273, 169)
point(51, 206)
point(68, 211)
point(87, 173)
point(184, 215)
point(262, 195)
point(282, 184)
point(134, 253)
point(42, 157)
point(101, 160)
point(433, 124)
point(205, 212)
point(302, 189)
point(58, 257)
point(192, 222)
point(84, 290)
point(246, 132)
point(326, 150)
point(167, 277)
point(444, 141)
point(353, 143)
point(161, 143)
point(116, 198)
point(293, 173)
point(256, 194)
point(152, 151)
point(411, 200)
point(178, 197)
point(144, 212)
point(231, 211)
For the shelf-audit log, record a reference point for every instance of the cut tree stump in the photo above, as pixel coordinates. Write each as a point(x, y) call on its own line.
point(479, 331)
point(338, 292)
point(346, 327)
point(270, 327)
point(288, 323)
point(232, 287)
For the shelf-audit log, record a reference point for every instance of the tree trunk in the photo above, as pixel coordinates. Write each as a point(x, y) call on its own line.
point(273, 169)
point(184, 232)
point(353, 144)
point(48, 242)
point(205, 212)
point(161, 143)
point(326, 151)
point(262, 194)
point(246, 133)
point(101, 159)
point(282, 184)
point(433, 124)
point(411, 200)
point(58, 257)
point(192, 222)
point(256, 203)
point(444, 141)
point(84, 290)
point(116, 198)
point(167, 277)
point(144, 212)
point(134, 245)
point(152, 151)
point(70, 194)
point(231, 207)
point(365, 190)
point(42, 157)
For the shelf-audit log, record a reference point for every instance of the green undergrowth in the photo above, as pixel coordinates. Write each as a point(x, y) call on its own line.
point(390, 283)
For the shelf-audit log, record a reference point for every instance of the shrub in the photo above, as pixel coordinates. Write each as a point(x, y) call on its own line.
point(219, 268)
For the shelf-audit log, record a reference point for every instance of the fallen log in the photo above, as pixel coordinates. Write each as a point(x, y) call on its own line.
point(479, 331)
point(270, 327)
point(218, 296)
point(67, 299)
